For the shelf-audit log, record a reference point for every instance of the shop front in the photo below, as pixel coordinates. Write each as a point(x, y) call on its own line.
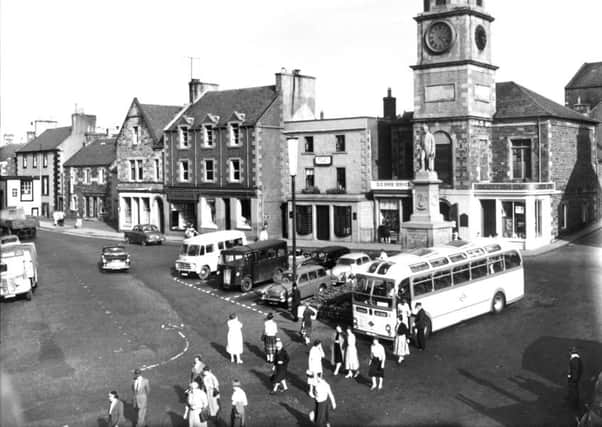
point(392, 207)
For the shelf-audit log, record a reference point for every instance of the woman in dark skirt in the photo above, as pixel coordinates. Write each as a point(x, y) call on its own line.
point(280, 368)
point(337, 349)
point(377, 364)
point(269, 337)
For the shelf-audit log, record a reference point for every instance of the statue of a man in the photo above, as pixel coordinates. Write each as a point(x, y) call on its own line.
point(427, 150)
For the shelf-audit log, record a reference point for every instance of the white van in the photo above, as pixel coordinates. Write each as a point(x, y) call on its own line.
point(201, 254)
point(14, 275)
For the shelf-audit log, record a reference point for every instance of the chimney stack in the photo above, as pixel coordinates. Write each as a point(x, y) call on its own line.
point(197, 88)
point(389, 106)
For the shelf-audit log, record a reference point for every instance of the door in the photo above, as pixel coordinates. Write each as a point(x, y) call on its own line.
point(323, 222)
point(227, 224)
point(488, 210)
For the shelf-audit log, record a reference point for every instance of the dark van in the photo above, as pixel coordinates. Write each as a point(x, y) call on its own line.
point(328, 255)
point(246, 265)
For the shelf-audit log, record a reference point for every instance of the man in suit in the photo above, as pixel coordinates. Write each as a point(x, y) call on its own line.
point(295, 302)
point(420, 325)
point(116, 417)
point(141, 389)
point(575, 370)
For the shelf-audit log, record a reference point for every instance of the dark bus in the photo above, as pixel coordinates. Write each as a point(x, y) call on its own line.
point(244, 266)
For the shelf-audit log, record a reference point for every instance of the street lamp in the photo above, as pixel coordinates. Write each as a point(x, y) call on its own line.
point(293, 144)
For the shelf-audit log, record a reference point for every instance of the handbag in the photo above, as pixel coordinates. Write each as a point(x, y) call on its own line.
point(204, 415)
point(215, 392)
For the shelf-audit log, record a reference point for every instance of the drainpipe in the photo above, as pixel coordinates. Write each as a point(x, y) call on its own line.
point(539, 149)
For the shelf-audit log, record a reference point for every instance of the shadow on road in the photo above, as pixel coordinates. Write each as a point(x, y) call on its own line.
point(221, 349)
point(302, 419)
point(293, 335)
point(255, 350)
point(181, 393)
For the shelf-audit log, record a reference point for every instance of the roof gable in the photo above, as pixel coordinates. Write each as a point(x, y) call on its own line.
point(157, 117)
point(101, 152)
point(49, 140)
point(589, 75)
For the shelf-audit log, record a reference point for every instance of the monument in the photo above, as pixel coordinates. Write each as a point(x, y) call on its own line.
point(426, 226)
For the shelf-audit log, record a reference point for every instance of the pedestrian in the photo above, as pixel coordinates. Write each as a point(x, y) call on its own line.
point(141, 390)
point(116, 417)
point(337, 349)
point(404, 310)
point(295, 302)
point(234, 344)
point(306, 323)
point(574, 376)
point(280, 368)
point(263, 234)
point(211, 385)
point(420, 323)
point(352, 363)
point(401, 348)
point(383, 255)
point(314, 365)
point(270, 330)
point(239, 404)
point(323, 393)
point(196, 373)
point(377, 364)
point(197, 409)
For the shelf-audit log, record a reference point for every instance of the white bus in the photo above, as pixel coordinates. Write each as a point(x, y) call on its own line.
point(201, 254)
point(453, 283)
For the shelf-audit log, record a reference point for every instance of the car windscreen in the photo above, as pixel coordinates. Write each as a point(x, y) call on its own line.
point(345, 261)
point(190, 250)
point(115, 250)
point(231, 257)
point(150, 228)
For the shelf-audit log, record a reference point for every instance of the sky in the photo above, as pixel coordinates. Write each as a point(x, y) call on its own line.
point(97, 55)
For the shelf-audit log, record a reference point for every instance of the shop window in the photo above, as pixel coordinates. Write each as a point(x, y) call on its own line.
point(309, 144)
point(245, 212)
point(538, 218)
point(304, 220)
point(342, 221)
point(521, 159)
point(26, 191)
point(309, 177)
point(443, 157)
point(513, 219)
point(340, 144)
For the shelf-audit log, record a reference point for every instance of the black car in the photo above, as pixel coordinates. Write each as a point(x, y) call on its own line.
point(114, 258)
point(328, 255)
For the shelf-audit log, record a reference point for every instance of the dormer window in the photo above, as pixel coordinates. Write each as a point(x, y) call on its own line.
point(208, 136)
point(234, 134)
point(184, 136)
point(135, 135)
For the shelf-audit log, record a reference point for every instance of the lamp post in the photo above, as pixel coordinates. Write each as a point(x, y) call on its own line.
point(293, 144)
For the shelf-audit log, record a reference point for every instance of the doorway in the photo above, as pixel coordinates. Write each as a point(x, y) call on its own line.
point(323, 222)
point(160, 218)
point(488, 211)
point(227, 222)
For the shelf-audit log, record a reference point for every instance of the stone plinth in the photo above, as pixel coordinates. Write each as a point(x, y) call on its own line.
point(426, 226)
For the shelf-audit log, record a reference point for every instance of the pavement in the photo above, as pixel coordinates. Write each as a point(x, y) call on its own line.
point(99, 229)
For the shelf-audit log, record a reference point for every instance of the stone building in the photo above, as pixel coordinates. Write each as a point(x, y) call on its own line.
point(224, 154)
point(90, 180)
point(20, 194)
point(45, 156)
point(333, 178)
point(140, 165)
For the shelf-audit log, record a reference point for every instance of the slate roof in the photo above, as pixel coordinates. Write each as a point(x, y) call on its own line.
point(589, 75)
point(517, 102)
point(252, 102)
point(8, 151)
point(158, 116)
point(101, 152)
point(49, 140)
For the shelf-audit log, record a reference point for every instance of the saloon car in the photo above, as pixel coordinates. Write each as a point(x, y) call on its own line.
point(114, 258)
point(311, 279)
point(145, 234)
point(328, 255)
point(349, 265)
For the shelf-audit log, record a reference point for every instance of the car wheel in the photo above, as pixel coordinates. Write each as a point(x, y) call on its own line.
point(246, 284)
point(498, 303)
point(277, 276)
point(204, 272)
point(28, 296)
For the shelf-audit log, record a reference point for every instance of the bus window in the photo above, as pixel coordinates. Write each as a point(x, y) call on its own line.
point(496, 264)
point(458, 257)
point(493, 248)
point(221, 245)
point(461, 274)
point(373, 267)
point(384, 268)
point(238, 242)
point(281, 252)
point(404, 290)
point(382, 289)
point(512, 259)
point(194, 250)
point(442, 280)
point(475, 252)
point(419, 267)
point(478, 269)
point(438, 262)
point(210, 248)
point(422, 285)
point(362, 286)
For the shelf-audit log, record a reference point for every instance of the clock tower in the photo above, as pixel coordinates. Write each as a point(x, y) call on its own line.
point(454, 88)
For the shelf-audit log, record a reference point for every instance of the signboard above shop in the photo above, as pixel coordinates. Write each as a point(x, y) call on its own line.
point(323, 160)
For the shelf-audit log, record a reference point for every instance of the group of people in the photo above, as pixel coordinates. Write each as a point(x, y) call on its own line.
point(140, 391)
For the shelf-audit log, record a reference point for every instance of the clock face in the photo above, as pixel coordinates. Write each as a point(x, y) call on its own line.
point(480, 36)
point(439, 37)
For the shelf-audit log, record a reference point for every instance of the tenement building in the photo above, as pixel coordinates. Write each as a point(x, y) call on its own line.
point(223, 154)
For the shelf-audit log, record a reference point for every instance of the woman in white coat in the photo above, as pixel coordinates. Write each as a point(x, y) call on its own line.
point(352, 362)
point(234, 344)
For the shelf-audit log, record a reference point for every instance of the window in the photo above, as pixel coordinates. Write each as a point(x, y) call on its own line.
point(135, 170)
point(209, 170)
point(15, 192)
point(442, 280)
point(496, 264)
point(208, 140)
point(441, 2)
point(101, 175)
point(157, 170)
point(341, 179)
point(184, 136)
point(74, 203)
point(423, 285)
point(34, 160)
point(342, 221)
point(24, 160)
point(45, 189)
point(26, 191)
point(45, 160)
point(461, 274)
point(184, 172)
point(538, 219)
point(245, 212)
point(479, 2)
point(309, 144)
point(86, 176)
point(135, 135)
point(309, 177)
point(478, 269)
point(234, 170)
point(521, 159)
point(313, 275)
point(234, 134)
point(512, 259)
point(304, 220)
point(340, 144)
point(562, 216)
point(210, 248)
point(513, 219)
point(443, 157)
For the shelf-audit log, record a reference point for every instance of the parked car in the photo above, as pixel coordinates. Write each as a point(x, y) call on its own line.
point(350, 264)
point(328, 255)
point(114, 258)
point(145, 234)
point(9, 239)
point(311, 279)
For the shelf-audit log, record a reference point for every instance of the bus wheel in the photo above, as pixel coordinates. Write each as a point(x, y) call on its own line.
point(498, 303)
point(246, 284)
point(204, 272)
point(277, 276)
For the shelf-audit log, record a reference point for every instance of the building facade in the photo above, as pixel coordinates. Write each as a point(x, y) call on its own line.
point(333, 178)
point(21, 193)
point(44, 157)
point(140, 165)
point(90, 180)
